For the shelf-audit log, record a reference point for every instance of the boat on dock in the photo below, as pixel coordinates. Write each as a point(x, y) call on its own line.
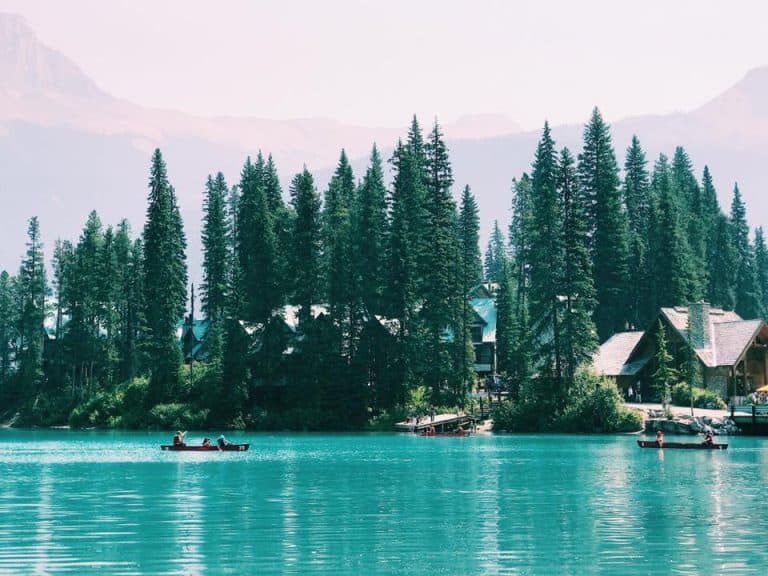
point(683, 445)
point(201, 448)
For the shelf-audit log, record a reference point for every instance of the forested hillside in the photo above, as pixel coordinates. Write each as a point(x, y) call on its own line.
point(333, 311)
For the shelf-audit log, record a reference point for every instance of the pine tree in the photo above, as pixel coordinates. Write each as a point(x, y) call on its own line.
point(665, 375)
point(691, 210)
point(671, 260)
point(440, 294)
point(82, 338)
point(305, 255)
point(576, 287)
point(165, 281)
point(546, 264)
point(400, 295)
point(370, 235)
point(495, 255)
point(520, 234)
point(8, 323)
point(747, 297)
point(505, 316)
point(607, 225)
point(722, 277)
point(637, 199)
point(337, 236)
point(282, 225)
point(469, 234)
point(216, 252)
point(761, 270)
point(32, 290)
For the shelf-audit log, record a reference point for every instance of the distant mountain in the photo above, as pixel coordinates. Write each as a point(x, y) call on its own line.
point(67, 147)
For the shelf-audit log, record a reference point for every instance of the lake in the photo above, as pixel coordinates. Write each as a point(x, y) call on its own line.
point(114, 503)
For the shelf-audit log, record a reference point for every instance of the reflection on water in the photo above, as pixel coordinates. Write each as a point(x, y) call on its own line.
point(106, 503)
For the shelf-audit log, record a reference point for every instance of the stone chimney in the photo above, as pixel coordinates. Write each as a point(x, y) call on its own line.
point(698, 324)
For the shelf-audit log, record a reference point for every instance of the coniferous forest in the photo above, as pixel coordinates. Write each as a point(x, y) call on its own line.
point(347, 307)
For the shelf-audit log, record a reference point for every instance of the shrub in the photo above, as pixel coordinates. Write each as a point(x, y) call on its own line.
point(594, 405)
point(180, 416)
point(100, 411)
point(702, 398)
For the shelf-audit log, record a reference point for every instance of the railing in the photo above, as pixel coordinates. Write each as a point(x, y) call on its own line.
point(753, 410)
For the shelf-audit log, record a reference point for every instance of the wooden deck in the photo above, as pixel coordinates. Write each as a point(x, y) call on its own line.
point(751, 419)
point(441, 422)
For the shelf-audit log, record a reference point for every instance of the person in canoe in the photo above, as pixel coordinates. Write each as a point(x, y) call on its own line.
point(221, 441)
point(178, 438)
point(660, 438)
point(206, 442)
point(709, 438)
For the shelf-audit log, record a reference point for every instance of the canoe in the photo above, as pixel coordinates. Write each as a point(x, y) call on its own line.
point(200, 448)
point(427, 433)
point(685, 445)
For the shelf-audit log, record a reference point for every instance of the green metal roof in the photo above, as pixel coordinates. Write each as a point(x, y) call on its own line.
point(486, 310)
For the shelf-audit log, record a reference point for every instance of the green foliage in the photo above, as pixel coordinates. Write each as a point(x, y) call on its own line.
point(179, 416)
point(103, 410)
point(665, 375)
point(594, 405)
point(165, 281)
point(419, 400)
point(607, 225)
point(702, 398)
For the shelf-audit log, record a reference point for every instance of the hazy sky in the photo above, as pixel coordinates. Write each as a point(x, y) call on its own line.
point(377, 63)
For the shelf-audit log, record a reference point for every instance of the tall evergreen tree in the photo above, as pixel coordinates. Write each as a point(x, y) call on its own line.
point(665, 375)
point(520, 235)
point(546, 263)
point(305, 255)
point(32, 290)
point(469, 236)
point(337, 235)
point(505, 317)
point(8, 323)
point(576, 287)
point(671, 264)
point(761, 270)
point(691, 210)
point(599, 179)
point(370, 235)
point(747, 298)
point(440, 295)
point(495, 255)
point(165, 281)
point(722, 264)
point(637, 199)
point(216, 251)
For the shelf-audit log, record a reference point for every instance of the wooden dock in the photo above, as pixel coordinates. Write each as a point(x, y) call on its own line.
point(751, 419)
point(442, 423)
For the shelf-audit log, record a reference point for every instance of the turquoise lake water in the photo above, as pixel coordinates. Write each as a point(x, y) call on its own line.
point(113, 503)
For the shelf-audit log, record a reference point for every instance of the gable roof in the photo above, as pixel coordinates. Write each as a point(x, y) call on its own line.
point(485, 308)
point(729, 335)
point(611, 358)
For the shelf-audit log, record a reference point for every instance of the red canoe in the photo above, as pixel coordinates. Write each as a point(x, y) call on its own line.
point(685, 445)
point(200, 448)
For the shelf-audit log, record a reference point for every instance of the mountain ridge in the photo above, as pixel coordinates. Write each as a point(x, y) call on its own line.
point(68, 147)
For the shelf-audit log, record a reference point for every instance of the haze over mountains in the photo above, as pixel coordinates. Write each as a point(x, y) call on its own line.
point(67, 147)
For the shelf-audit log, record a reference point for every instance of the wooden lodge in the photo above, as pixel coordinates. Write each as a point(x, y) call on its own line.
point(732, 353)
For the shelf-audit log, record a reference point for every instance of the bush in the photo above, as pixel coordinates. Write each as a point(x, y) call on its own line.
point(594, 405)
point(702, 398)
point(179, 416)
point(103, 410)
